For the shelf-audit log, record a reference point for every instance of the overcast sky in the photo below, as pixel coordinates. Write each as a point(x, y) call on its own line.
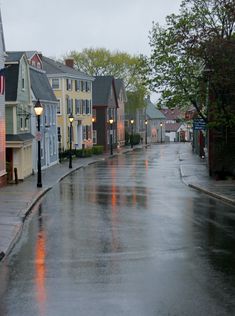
point(55, 27)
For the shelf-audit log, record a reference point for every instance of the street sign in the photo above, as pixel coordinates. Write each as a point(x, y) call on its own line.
point(199, 124)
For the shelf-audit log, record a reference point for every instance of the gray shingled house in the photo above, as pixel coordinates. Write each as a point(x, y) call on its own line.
point(18, 115)
point(41, 89)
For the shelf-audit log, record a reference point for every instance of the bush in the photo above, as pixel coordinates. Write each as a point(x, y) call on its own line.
point(135, 139)
point(127, 138)
point(86, 152)
point(97, 150)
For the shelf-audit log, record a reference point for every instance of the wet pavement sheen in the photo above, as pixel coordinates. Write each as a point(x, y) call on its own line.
point(124, 237)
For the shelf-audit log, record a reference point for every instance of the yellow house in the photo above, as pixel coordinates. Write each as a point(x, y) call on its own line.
point(73, 90)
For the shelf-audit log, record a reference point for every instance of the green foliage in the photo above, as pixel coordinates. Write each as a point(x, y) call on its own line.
point(97, 150)
point(121, 65)
point(135, 139)
point(192, 60)
point(82, 153)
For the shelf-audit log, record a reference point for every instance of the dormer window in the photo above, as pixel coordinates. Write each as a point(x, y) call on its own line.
point(69, 84)
point(55, 83)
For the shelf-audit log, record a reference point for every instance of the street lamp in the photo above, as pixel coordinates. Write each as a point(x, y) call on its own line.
point(59, 140)
point(38, 111)
point(161, 131)
point(146, 131)
point(71, 118)
point(111, 135)
point(132, 132)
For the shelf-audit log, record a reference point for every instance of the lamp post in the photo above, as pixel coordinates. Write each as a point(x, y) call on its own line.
point(146, 131)
point(111, 135)
point(161, 131)
point(38, 111)
point(132, 132)
point(59, 140)
point(71, 118)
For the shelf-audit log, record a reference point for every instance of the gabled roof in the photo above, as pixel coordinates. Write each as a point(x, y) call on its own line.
point(30, 54)
point(40, 85)
point(119, 85)
point(53, 67)
point(11, 77)
point(101, 88)
point(14, 56)
point(152, 112)
point(2, 42)
point(172, 127)
point(172, 114)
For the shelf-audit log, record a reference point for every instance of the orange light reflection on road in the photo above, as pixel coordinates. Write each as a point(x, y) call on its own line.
point(40, 271)
point(146, 164)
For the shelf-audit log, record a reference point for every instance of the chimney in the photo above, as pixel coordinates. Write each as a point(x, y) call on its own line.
point(69, 62)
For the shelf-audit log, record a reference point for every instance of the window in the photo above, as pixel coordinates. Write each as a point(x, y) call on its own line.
point(77, 106)
point(77, 85)
point(69, 84)
point(82, 85)
point(55, 83)
point(59, 134)
point(21, 123)
point(58, 110)
point(22, 81)
point(84, 132)
point(22, 78)
point(33, 63)
point(69, 106)
point(88, 87)
point(94, 137)
point(83, 107)
point(88, 107)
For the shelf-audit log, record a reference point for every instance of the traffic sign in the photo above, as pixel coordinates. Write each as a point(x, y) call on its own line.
point(199, 124)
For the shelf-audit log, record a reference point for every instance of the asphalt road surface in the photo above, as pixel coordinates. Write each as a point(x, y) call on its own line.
point(124, 237)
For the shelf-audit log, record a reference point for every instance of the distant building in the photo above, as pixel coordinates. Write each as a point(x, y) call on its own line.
point(3, 177)
point(105, 105)
point(156, 123)
point(122, 99)
point(175, 128)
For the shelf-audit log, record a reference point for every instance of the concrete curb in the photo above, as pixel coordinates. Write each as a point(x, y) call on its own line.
point(206, 191)
point(213, 194)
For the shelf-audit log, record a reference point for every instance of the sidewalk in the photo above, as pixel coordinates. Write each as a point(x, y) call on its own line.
point(16, 201)
point(194, 173)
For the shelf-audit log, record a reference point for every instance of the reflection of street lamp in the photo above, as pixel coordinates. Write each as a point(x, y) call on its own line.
point(71, 118)
point(161, 131)
point(146, 129)
point(111, 135)
point(132, 132)
point(38, 111)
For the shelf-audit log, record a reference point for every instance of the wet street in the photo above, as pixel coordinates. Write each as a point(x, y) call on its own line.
point(124, 237)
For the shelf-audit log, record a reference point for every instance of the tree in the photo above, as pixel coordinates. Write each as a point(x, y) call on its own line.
point(102, 62)
point(193, 58)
